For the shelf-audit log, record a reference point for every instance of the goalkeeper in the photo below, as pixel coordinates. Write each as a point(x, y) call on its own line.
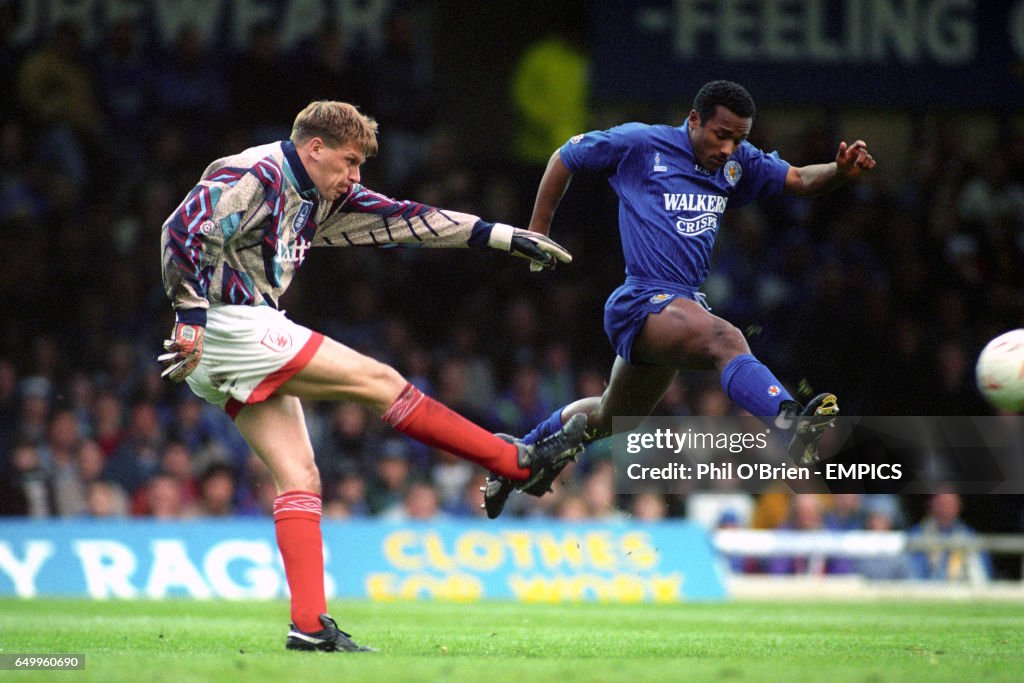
point(230, 250)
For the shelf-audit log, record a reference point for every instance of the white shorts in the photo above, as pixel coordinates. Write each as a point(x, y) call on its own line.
point(248, 352)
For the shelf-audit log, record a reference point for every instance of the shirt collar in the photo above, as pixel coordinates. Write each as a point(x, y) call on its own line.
point(302, 180)
point(687, 143)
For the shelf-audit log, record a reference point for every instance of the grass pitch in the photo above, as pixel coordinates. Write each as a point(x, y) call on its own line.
point(431, 641)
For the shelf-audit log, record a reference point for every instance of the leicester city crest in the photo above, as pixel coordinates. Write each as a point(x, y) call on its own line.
point(733, 172)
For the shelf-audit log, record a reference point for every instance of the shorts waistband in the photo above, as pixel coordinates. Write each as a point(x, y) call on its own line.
point(672, 287)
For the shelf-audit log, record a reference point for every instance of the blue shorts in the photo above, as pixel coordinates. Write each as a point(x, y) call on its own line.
point(629, 305)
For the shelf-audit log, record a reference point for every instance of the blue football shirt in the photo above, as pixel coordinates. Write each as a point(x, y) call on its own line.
point(670, 207)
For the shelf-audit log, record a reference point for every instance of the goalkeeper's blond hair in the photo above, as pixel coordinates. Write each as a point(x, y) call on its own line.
point(336, 123)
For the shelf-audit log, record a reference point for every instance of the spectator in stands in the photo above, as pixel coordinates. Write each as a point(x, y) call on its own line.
point(522, 406)
point(176, 461)
point(520, 340)
point(34, 414)
point(108, 422)
point(138, 457)
point(196, 424)
point(881, 515)
point(558, 382)
point(336, 508)
point(464, 344)
point(419, 503)
point(351, 490)
point(89, 461)
point(455, 389)
point(216, 492)
point(943, 523)
point(163, 497)
point(105, 499)
point(32, 484)
point(349, 441)
point(57, 93)
point(649, 507)
point(80, 398)
point(599, 492)
point(846, 512)
point(572, 507)
point(60, 451)
point(392, 477)
point(449, 474)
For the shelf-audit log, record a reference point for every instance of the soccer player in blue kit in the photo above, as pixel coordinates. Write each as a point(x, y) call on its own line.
point(674, 185)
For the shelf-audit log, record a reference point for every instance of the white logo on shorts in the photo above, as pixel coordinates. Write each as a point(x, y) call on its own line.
point(276, 340)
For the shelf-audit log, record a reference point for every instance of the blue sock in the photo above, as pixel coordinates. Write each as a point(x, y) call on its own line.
point(545, 428)
point(751, 385)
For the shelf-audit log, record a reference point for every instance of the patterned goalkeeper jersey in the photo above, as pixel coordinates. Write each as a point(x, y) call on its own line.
point(243, 231)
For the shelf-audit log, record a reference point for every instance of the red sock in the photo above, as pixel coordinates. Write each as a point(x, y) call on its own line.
point(297, 522)
point(426, 420)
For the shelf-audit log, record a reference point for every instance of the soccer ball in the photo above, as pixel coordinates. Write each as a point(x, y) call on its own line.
point(1000, 371)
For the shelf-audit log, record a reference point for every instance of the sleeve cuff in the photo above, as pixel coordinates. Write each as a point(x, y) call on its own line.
point(191, 316)
point(481, 235)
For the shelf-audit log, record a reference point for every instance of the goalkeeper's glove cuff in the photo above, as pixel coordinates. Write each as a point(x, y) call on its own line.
point(191, 316)
point(542, 251)
point(492, 235)
point(501, 237)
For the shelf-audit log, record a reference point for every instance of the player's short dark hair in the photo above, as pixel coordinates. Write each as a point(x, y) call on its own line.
point(728, 94)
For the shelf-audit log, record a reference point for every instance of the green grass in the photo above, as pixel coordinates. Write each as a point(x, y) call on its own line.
point(431, 641)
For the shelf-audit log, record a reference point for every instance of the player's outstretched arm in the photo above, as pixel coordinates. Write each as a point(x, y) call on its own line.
point(369, 218)
point(851, 161)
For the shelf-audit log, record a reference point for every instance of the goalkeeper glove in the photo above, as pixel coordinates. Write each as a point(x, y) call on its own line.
point(185, 348)
point(542, 251)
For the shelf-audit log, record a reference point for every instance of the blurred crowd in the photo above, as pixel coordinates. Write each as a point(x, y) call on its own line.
point(882, 292)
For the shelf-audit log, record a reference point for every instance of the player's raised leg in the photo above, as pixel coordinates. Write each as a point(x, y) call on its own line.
point(337, 372)
point(687, 335)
